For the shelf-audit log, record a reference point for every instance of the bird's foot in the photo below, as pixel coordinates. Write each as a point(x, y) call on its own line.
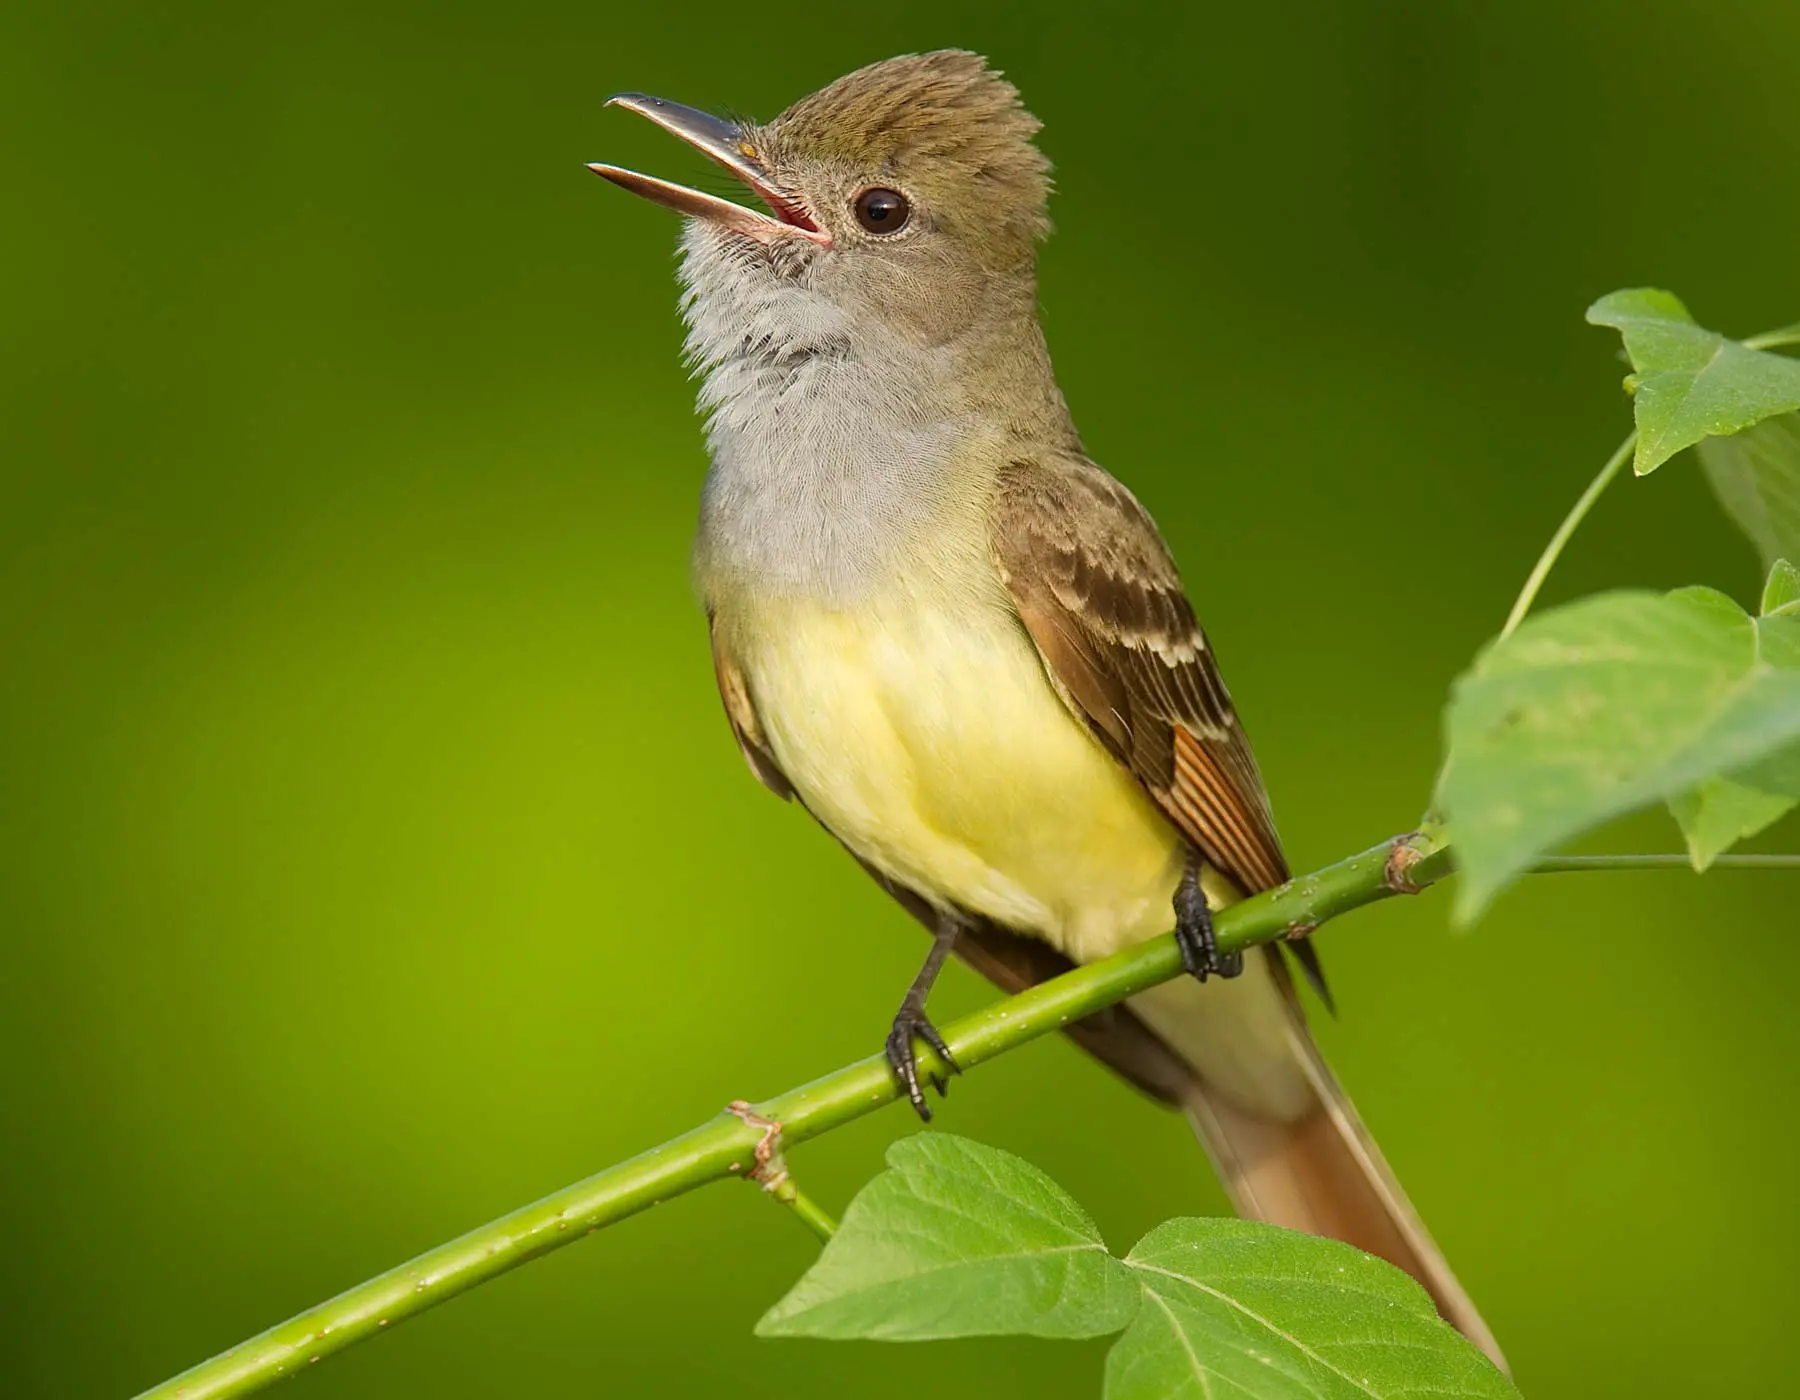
point(903, 1057)
point(1194, 935)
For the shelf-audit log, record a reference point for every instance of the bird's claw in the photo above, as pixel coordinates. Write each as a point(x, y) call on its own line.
point(1194, 935)
point(904, 1059)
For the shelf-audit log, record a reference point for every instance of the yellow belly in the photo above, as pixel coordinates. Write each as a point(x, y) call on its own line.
point(930, 741)
point(934, 747)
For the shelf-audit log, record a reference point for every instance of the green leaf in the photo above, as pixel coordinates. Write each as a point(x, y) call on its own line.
point(1234, 1308)
point(1778, 776)
point(1756, 476)
point(958, 1240)
point(1691, 383)
point(1720, 812)
point(1783, 587)
point(1606, 705)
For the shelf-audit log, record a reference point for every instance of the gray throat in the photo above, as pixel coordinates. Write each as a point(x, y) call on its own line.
point(843, 452)
point(827, 459)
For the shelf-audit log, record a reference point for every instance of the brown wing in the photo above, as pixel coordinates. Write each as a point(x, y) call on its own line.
point(1099, 593)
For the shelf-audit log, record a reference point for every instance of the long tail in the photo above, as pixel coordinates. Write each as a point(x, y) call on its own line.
point(1286, 1140)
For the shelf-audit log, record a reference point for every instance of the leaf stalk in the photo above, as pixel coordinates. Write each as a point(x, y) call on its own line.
point(1553, 551)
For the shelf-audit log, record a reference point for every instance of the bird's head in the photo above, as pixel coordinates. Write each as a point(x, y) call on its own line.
point(909, 190)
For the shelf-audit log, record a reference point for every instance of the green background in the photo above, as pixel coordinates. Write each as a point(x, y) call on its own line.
point(375, 857)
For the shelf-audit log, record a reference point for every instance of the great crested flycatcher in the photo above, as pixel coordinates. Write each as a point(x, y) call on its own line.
point(962, 645)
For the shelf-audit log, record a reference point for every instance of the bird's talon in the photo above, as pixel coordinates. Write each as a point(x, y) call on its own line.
point(1200, 955)
point(903, 1058)
point(929, 1034)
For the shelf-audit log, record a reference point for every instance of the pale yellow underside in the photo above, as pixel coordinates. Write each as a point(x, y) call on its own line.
point(920, 727)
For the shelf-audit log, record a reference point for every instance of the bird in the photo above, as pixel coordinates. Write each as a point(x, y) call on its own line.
point(961, 644)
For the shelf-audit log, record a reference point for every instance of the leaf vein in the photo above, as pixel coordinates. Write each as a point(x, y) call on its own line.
point(1262, 1321)
point(1200, 1371)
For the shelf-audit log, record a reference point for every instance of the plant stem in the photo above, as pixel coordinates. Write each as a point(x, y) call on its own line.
point(1552, 865)
point(726, 1145)
point(806, 1209)
point(769, 1170)
point(1768, 340)
point(1771, 340)
point(1553, 550)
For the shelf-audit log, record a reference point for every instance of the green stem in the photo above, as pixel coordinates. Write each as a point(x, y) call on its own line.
point(726, 1144)
point(1553, 550)
point(1772, 340)
point(1768, 340)
point(1552, 865)
point(769, 1170)
point(806, 1208)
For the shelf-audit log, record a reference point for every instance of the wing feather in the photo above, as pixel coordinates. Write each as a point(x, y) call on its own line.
point(1100, 595)
point(746, 727)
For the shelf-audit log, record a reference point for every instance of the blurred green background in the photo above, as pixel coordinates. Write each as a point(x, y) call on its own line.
point(376, 858)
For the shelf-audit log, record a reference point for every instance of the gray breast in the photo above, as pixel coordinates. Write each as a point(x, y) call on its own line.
point(827, 456)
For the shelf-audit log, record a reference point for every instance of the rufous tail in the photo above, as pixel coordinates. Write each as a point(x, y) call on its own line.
point(1320, 1171)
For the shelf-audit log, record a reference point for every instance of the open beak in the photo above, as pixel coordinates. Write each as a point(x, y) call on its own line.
point(725, 143)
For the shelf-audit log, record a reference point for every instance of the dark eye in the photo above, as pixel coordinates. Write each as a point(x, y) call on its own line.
point(882, 211)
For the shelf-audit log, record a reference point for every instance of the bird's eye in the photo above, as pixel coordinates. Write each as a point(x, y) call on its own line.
point(882, 211)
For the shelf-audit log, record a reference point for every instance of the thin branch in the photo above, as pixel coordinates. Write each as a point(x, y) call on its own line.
point(806, 1209)
point(1768, 340)
point(1774, 340)
point(1553, 551)
point(1672, 860)
point(744, 1139)
point(727, 1144)
point(769, 1170)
